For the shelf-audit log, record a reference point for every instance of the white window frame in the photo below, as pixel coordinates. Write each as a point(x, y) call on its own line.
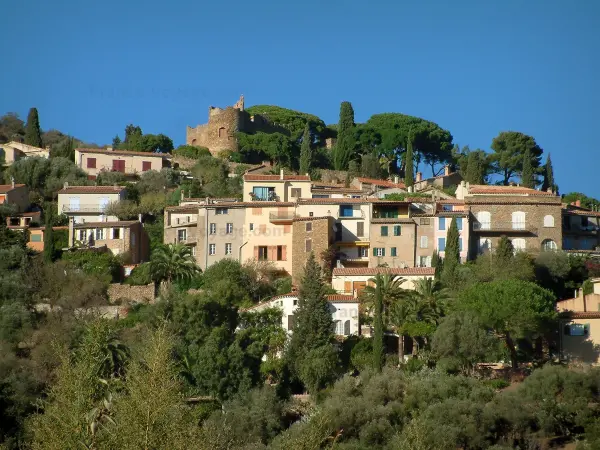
point(424, 242)
point(519, 244)
point(99, 234)
point(549, 245)
point(549, 221)
point(484, 218)
point(518, 220)
point(212, 228)
point(212, 249)
point(181, 232)
point(229, 228)
point(228, 248)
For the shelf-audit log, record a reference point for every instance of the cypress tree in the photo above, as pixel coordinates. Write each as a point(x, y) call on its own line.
point(505, 250)
point(548, 175)
point(33, 132)
point(527, 179)
point(409, 171)
point(437, 264)
point(116, 142)
point(452, 252)
point(305, 151)
point(49, 233)
point(344, 147)
point(475, 173)
point(378, 325)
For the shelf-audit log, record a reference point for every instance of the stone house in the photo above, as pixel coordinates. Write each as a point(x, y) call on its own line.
point(446, 211)
point(309, 234)
point(581, 228)
point(446, 180)
point(95, 160)
point(14, 151)
point(531, 219)
point(88, 203)
point(344, 312)
point(351, 281)
point(281, 188)
point(16, 195)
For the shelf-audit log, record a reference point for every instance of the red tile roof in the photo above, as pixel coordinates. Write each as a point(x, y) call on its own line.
point(92, 190)
point(513, 201)
point(333, 201)
point(578, 212)
point(409, 271)
point(306, 219)
point(250, 177)
point(384, 183)
point(507, 190)
point(582, 315)
point(5, 188)
point(123, 152)
point(340, 298)
point(120, 223)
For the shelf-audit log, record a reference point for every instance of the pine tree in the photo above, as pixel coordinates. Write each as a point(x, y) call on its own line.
point(305, 151)
point(33, 132)
point(344, 147)
point(116, 141)
point(548, 175)
point(452, 252)
point(409, 172)
point(378, 357)
point(527, 178)
point(49, 234)
point(505, 250)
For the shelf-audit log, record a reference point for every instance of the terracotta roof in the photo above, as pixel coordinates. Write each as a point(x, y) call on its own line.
point(183, 208)
point(507, 190)
point(306, 219)
point(265, 204)
point(119, 223)
point(337, 191)
point(577, 212)
point(450, 201)
point(92, 190)
point(452, 213)
point(123, 152)
point(512, 201)
point(385, 183)
point(581, 314)
point(251, 177)
point(384, 270)
point(393, 220)
point(333, 201)
point(27, 214)
point(61, 227)
point(4, 188)
point(340, 298)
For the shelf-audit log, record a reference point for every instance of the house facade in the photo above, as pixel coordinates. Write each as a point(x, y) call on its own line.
point(88, 203)
point(446, 211)
point(16, 195)
point(14, 151)
point(309, 234)
point(351, 281)
point(93, 161)
point(279, 188)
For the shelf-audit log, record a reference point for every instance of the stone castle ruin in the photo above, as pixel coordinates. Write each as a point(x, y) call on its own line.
point(219, 133)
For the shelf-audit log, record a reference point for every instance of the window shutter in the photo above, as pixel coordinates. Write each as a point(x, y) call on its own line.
point(287, 229)
point(284, 252)
point(383, 251)
point(347, 286)
point(272, 252)
point(256, 252)
point(360, 229)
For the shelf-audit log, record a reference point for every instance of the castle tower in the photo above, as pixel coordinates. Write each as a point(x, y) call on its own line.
point(240, 103)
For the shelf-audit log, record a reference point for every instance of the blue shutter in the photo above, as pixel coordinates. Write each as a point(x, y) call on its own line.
point(459, 223)
point(442, 244)
point(442, 223)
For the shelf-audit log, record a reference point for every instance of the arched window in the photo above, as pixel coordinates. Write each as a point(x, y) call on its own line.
point(222, 132)
point(485, 245)
point(484, 220)
point(194, 141)
point(519, 244)
point(518, 220)
point(549, 221)
point(549, 245)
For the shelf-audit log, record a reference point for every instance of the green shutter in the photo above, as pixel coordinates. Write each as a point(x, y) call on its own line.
point(393, 251)
point(383, 251)
point(384, 230)
point(397, 230)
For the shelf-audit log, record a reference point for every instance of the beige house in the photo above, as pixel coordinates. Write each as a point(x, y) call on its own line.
point(95, 160)
point(13, 151)
point(123, 238)
point(310, 234)
point(580, 327)
point(16, 195)
point(392, 235)
point(351, 281)
point(88, 203)
point(280, 188)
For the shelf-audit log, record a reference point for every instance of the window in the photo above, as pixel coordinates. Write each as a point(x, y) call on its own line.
point(425, 261)
point(549, 245)
point(377, 251)
point(222, 132)
point(360, 229)
point(425, 221)
point(99, 234)
point(221, 211)
point(296, 192)
point(577, 329)
point(291, 322)
point(91, 163)
point(584, 222)
point(308, 226)
point(146, 166)
point(446, 207)
point(567, 222)
point(73, 204)
point(484, 220)
point(442, 224)
point(263, 193)
point(194, 250)
point(118, 165)
point(36, 238)
point(251, 227)
point(212, 228)
point(393, 251)
point(442, 244)
point(485, 245)
point(295, 302)
point(310, 214)
point(262, 253)
point(116, 233)
point(346, 211)
point(397, 230)
point(228, 249)
point(181, 235)
point(424, 242)
point(459, 223)
point(339, 327)
point(308, 245)
point(280, 253)
point(384, 230)
point(82, 236)
point(338, 231)
point(518, 220)
point(519, 244)
point(363, 252)
point(229, 228)
point(212, 249)
point(549, 221)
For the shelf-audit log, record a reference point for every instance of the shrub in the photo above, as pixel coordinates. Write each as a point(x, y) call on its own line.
point(189, 151)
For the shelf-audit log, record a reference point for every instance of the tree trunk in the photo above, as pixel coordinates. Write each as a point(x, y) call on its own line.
point(415, 348)
point(400, 348)
point(513, 351)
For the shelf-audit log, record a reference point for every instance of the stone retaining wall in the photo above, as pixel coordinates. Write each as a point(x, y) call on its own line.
point(135, 294)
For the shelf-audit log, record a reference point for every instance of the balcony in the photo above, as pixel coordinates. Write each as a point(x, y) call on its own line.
point(282, 217)
point(83, 208)
point(504, 227)
point(354, 214)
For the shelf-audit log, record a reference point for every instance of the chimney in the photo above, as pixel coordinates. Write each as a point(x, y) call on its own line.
point(281, 174)
point(446, 170)
point(410, 189)
point(65, 185)
point(71, 231)
point(419, 177)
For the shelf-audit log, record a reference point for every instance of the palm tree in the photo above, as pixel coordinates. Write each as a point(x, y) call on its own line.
point(390, 290)
point(429, 292)
point(173, 262)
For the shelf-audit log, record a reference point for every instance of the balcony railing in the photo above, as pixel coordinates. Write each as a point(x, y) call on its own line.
point(84, 208)
point(355, 214)
point(281, 217)
point(504, 227)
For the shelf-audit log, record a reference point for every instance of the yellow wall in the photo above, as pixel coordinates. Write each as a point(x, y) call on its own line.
point(585, 349)
point(104, 161)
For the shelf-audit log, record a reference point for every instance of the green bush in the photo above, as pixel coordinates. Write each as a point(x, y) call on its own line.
point(189, 151)
point(140, 276)
point(104, 266)
point(497, 384)
point(361, 356)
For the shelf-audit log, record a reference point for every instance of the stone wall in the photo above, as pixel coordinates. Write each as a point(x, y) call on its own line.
point(321, 237)
point(425, 227)
point(135, 294)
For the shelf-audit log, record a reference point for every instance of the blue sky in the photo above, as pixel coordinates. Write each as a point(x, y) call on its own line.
point(474, 67)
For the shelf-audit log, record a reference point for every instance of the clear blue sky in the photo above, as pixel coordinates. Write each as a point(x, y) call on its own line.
point(474, 67)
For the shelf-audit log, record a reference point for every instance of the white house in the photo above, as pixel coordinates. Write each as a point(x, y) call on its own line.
point(344, 312)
